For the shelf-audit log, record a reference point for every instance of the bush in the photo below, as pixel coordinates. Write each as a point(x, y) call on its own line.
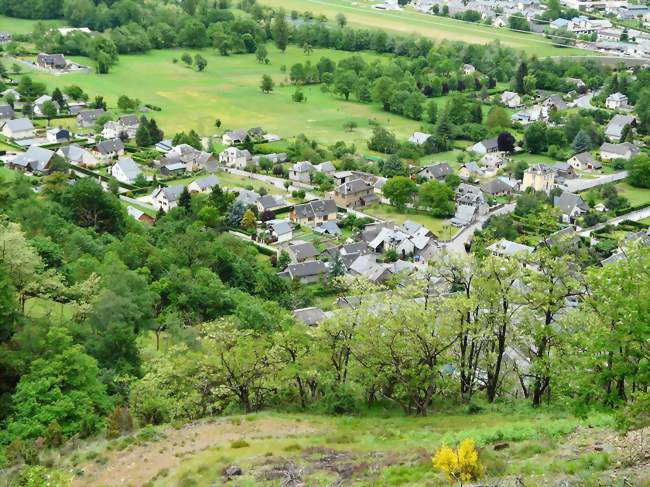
point(340, 400)
point(462, 465)
point(239, 444)
point(635, 414)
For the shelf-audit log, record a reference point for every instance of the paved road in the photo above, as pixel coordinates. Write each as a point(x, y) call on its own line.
point(457, 244)
point(585, 101)
point(633, 216)
point(583, 184)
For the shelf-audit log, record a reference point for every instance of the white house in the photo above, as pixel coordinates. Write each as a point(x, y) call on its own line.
point(21, 128)
point(616, 101)
point(77, 155)
point(486, 146)
point(584, 162)
point(125, 170)
point(301, 172)
point(203, 185)
point(234, 157)
point(511, 99)
point(234, 137)
point(611, 152)
point(166, 198)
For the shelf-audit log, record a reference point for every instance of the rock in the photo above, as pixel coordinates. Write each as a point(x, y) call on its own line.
point(233, 471)
point(501, 446)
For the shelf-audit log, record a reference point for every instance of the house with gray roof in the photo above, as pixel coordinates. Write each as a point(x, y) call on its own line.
point(584, 162)
point(269, 203)
point(310, 316)
point(88, 118)
point(77, 155)
point(36, 160)
point(301, 172)
point(325, 167)
point(6, 112)
point(465, 215)
point(486, 146)
point(329, 228)
point(506, 248)
point(314, 212)
point(305, 272)
point(125, 170)
point(203, 185)
point(18, 129)
point(470, 170)
point(302, 251)
point(108, 149)
point(354, 194)
point(571, 206)
point(280, 230)
point(611, 152)
point(234, 137)
point(51, 61)
point(166, 198)
point(436, 171)
point(616, 126)
point(419, 138)
point(247, 196)
point(496, 187)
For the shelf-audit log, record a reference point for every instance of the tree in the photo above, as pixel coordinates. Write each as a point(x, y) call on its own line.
point(142, 135)
point(431, 113)
point(639, 171)
point(535, 137)
point(249, 220)
point(236, 213)
point(522, 72)
point(438, 197)
point(462, 465)
point(350, 126)
point(582, 142)
point(506, 142)
point(261, 54)
point(267, 85)
point(280, 30)
point(200, 62)
point(383, 141)
point(266, 164)
point(62, 385)
point(49, 110)
point(498, 118)
point(518, 22)
point(185, 200)
point(88, 205)
point(642, 108)
point(341, 21)
point(399, 190)
point(345, 82)
point(187, 58)
point(57, 97)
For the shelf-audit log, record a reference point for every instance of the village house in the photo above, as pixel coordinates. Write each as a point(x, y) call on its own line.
point(203, 185)
point(269, 203)
point(571, 206)
point(173, 169)
point(194, 159)
point(564, 170)
point(77, 155)
point(108, 149)
point(511, 99)
point(314, 213)
point(584, 162)
point(616, 101)
point(166, 198)
point(88, 118)
point(470, 170)
point(6, 113)
point(329, 228)
point(51, 61)
point(280, 230)
point(492, 162)
point(39, 103)
point(36, 160)
point(247, 197)
point(539, 177)
point(496, 187)
point(486, 146)
point(305, 272)
point(326, 168)
point(506, 248)
point(301, 172)
point(611, 152)
point(616, 127)
point(419, 138)
point(354, 194)
point(300, 251)
point(465, 215)
point(367, 266)
point(468, 69)
point(436, 171)
point(234, 157)
point(234, 137)
point(18, 129)
point(57, 135)
point(125, 127)
point(125, 170)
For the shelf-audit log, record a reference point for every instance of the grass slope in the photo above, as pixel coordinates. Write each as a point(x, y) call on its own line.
point(24, 26)
point(360, 14)
point(379, 449)
point(229, 90)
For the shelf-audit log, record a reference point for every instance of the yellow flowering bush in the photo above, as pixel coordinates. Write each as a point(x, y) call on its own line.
point(460, 465)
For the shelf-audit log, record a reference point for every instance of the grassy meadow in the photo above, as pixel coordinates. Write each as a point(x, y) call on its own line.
point(24, 26)
point(229, 90)
point(361, 14)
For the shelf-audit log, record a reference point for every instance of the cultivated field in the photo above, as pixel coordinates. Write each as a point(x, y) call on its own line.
point(229, 90)
point(360, 14)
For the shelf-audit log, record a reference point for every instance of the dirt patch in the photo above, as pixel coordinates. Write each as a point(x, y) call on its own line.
point(139, 464)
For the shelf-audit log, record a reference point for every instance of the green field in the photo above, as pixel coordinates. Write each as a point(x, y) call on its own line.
point(636, 196)
point(229, 90)
point(387, 212)
point(24, 26)
point(360, 14)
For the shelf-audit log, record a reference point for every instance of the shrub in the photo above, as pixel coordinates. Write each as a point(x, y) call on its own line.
point(340, 400)
point(462, 465)
point(239, 444)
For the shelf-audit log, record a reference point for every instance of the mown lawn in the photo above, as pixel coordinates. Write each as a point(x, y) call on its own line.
point(229, 90)
point(406, 22)
point(24, 26)
point(636, 196)
point(387, 212)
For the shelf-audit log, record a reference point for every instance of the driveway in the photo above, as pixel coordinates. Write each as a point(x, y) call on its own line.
point(457, 244)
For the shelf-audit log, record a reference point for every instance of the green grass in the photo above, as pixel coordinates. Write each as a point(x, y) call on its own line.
point(636, 196)
point(7, 174)
point(40, 308)
point(229, 90)
point(387, 212)
point(360, 14)
point(24, 26)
